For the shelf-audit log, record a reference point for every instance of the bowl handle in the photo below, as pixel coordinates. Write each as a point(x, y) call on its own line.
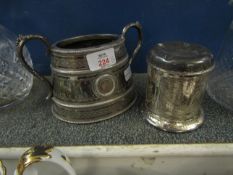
point(137, 26)
point(21, 41)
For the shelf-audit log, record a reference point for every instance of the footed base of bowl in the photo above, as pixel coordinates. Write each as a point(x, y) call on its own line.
point(90, 113)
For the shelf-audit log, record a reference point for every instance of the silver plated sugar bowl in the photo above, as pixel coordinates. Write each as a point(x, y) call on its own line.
point(177, 77)
point(91, 75)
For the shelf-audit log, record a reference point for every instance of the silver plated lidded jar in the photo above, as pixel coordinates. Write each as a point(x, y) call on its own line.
point(177, 77)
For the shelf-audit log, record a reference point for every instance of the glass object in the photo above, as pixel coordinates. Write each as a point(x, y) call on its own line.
point(220, 84)
point(15, 81)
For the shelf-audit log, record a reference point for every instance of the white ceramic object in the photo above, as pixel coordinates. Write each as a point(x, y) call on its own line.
point(37, 155)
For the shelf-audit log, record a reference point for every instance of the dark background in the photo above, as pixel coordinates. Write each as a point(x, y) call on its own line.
point(199, 21)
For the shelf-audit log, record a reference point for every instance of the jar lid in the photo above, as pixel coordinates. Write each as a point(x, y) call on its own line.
point(181, 57)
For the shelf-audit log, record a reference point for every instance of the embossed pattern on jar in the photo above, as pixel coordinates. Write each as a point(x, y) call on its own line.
point(177, 77)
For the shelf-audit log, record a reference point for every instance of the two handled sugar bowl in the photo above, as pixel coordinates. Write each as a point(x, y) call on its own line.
point(91, 75)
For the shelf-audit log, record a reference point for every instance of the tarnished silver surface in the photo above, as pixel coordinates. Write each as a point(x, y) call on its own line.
point(82, 87)
point(82, 95)
point(175, 92)
point(95, 111)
